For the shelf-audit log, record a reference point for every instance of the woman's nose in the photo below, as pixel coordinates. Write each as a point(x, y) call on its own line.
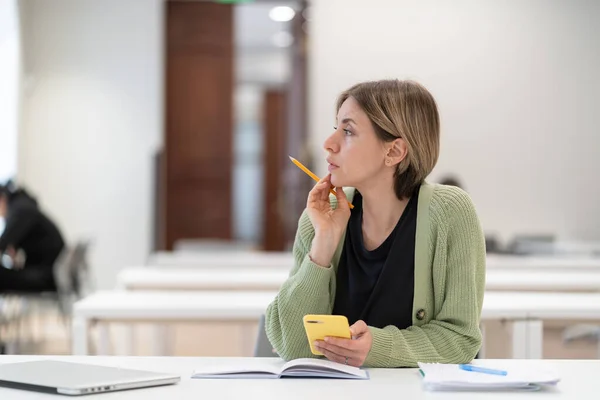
point(330, 144)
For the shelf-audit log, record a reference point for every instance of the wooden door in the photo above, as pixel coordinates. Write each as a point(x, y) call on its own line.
point(275, 157)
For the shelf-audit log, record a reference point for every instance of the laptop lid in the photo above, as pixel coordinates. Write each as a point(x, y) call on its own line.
point(71, 378)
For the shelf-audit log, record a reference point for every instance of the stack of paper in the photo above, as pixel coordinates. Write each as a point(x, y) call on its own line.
point(453, 377)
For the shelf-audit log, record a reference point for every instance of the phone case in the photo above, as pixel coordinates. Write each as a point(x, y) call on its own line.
point(319, 326)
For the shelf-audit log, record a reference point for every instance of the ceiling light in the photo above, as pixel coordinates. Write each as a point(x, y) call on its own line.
point(282, 14)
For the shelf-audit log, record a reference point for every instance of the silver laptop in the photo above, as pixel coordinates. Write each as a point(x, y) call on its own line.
point(76, 379)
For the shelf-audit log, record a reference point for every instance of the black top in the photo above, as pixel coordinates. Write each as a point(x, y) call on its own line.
point(378, 286)
point(27, 228)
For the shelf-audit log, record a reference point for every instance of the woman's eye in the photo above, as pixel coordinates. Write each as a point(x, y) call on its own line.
point(347, 132)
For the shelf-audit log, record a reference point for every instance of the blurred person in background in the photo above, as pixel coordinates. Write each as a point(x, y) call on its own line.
point(28, 230)
point(451, 181)
point(406, 265)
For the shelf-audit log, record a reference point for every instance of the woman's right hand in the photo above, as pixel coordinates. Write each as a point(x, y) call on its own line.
point(329, 223)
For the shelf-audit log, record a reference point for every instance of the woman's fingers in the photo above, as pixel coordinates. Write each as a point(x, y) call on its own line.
point(324, 187)
point(319, 192)
point(331, 356)
point(342, 200)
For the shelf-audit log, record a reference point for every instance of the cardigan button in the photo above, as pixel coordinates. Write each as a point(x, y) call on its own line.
point(421, 314)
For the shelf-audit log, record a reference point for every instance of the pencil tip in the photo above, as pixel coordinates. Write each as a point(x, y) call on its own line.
point(292, 158)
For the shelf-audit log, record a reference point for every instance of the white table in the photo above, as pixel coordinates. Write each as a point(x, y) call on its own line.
point(579, 379)
point(139, 306)
point(563, 248)
point(250, 259)
point(201, 279)
point(526, 310)
point(543, 263)
point(257, 259)
point(552, 280)
point(190, 278)
point(142, 278)
point(271, 279)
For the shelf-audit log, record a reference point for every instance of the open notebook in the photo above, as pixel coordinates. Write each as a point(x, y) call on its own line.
point(452, 377)
point(300, 368)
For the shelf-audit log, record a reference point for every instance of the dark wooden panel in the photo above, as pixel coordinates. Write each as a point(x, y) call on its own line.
point(275, 127)
point(199, 120)
point(296, 183)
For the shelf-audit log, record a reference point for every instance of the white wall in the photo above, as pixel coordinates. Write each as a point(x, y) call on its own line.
point(92, 120)
point(10, 65)
point(517, 87)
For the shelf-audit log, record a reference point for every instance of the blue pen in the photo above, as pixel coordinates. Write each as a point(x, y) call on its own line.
point(474, 368)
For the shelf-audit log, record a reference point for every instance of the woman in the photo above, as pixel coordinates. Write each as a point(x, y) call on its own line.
point(28, 229)
point(407, 264)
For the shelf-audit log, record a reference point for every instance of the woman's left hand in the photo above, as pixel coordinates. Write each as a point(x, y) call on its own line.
point(348, 351)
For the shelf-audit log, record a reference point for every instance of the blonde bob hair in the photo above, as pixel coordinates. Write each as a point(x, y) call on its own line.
point(402, 109)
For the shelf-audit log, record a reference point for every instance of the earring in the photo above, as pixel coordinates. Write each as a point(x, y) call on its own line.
point(387, 162)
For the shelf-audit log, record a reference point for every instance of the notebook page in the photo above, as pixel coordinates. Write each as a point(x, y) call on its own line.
point(318, 365)
point(266, 366)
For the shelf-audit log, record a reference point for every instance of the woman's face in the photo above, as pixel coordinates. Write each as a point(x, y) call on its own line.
point(355, 154)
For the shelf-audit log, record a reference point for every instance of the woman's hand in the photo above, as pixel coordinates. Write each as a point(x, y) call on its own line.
point(348, 351)
point(329, 223)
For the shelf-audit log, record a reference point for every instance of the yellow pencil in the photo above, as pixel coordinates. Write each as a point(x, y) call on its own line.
point(316, 178)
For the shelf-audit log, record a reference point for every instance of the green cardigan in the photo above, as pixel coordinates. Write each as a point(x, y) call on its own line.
point(448, 288)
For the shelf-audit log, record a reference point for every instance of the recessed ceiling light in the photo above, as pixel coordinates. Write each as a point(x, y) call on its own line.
point(282, 39)
point(282, 13)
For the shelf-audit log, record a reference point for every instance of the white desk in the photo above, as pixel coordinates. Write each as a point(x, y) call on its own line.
point(254, 259)
point(526, 310)
point(543, 263)
point(579, 379)
point(138, 306)
point(181, 279)
point(257, 259)
point(143, 278)
point(201, 279)
point(551, 280)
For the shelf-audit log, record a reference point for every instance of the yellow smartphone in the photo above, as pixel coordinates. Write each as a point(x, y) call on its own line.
point(319, 326)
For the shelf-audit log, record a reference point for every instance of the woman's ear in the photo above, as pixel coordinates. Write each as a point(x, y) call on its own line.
point(397, 151)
